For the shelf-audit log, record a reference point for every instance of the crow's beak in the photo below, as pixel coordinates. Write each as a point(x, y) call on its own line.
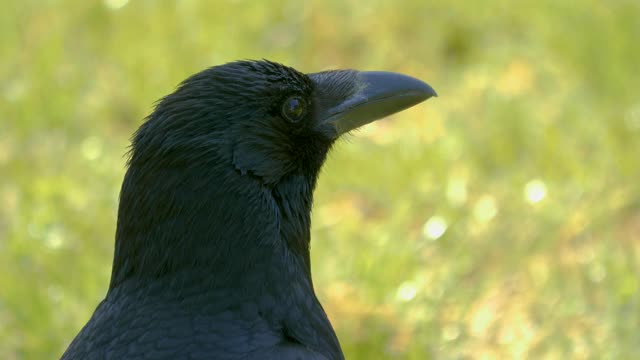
point(366, 96)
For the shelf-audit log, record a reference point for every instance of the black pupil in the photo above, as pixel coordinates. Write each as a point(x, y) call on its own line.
point(294, 108)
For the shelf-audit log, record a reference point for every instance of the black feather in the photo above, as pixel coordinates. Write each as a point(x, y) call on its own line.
point(212, 240)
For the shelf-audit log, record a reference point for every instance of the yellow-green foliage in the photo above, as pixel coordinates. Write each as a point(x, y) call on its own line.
point(501, 219)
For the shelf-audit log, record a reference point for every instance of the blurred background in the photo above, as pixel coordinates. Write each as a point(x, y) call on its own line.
point(499, 220)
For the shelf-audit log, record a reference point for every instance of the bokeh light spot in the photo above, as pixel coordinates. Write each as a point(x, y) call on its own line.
point(450, 333)
point(406, 291)
point(435, 227)
point(457, 191)
point(115, 4)
point(54, 238)
point(485, 208)
point(535, 191)
point(91, 148)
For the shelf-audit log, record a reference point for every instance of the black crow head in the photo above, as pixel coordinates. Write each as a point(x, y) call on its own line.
point(221, 174)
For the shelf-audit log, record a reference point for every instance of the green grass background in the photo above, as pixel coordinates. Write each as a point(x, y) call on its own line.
point(499, 220)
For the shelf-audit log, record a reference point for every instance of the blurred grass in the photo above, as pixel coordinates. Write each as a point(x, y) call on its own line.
point(500, 220)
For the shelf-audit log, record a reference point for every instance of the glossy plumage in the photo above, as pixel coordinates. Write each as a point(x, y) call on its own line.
point(212, 242)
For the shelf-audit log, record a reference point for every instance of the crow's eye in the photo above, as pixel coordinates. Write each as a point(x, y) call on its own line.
point(294, 108)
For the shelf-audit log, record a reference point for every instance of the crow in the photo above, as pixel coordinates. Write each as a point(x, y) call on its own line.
point(211, 253)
